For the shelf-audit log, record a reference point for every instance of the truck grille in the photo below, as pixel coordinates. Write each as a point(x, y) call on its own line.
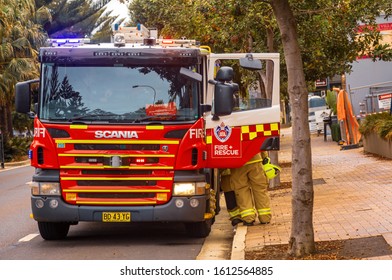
point(116, 195)
point(116, 147)
point(116, 172)
point(106, 160)
point(116, 183)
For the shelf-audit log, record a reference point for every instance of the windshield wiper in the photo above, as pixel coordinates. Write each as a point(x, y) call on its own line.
point(155, 118)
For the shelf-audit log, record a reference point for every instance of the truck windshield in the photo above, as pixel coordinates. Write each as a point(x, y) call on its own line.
point(117, 94)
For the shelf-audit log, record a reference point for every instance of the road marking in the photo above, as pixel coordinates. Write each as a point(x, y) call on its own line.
point(28, 237)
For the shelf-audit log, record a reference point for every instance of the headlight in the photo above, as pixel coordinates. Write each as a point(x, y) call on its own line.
point(189, 189)
point(45, 188)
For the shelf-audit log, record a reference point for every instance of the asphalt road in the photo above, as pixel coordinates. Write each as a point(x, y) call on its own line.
point(15, 205)
point(20, 239)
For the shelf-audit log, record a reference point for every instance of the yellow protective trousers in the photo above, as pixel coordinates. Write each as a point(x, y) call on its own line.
point(251, 190)
point(229, 194)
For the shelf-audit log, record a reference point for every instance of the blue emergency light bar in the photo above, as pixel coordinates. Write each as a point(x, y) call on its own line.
point(68, 41)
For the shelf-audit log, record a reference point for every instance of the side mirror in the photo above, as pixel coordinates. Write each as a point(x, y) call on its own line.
point(223, 99)
point(249, 63)
point(225, 74)
point(23, 96)
point(191, 75)
point(223, 92)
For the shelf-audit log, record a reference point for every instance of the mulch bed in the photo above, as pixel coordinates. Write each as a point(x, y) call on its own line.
point(350, 249)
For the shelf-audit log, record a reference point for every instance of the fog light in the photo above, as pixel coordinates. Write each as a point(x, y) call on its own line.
point(39, 203)
point(194, 202)
point(179, 203)
point(53, 203)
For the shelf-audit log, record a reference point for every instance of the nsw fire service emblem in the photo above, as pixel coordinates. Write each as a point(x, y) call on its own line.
point(222, 132)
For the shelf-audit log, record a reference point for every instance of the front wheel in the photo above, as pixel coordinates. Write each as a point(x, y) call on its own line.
point(53, 231)
point(199, 229)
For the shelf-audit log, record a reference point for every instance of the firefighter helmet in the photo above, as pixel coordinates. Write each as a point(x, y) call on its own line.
point(271, 170)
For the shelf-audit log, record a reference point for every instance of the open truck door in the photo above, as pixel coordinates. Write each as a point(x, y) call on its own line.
point(239, 128)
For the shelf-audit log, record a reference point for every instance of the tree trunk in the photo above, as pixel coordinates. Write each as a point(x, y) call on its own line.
point(302, 235)
point(269, 65)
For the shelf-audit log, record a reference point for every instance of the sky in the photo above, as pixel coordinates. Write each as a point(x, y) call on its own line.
point(116, 8)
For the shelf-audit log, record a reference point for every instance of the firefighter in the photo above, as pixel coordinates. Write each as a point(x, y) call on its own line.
point(250, 185)
point(231, 204)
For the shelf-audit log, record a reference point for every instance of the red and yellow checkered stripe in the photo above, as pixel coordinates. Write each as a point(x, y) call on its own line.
point(250, 132)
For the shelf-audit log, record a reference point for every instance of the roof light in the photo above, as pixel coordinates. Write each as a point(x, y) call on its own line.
point(50, 53)
point(166, 41)
point(74, 40)
point(178, 43)
point(119, 40)
point(68, 41)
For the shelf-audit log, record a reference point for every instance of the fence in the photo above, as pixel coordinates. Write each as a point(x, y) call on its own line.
point(371, 98)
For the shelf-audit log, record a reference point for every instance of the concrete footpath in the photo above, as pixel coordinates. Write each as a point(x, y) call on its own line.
point(9, 165)
point(352, 199)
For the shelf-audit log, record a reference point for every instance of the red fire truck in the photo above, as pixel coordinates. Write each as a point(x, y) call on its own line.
point(136, 130)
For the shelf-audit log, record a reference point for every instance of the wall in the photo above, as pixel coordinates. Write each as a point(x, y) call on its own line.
point(373, 144)
point(366, 73)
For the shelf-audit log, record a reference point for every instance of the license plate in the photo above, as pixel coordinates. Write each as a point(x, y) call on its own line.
point(114, 217)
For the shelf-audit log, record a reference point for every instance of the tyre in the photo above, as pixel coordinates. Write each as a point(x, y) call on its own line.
point(199, 229)
point(53, 231)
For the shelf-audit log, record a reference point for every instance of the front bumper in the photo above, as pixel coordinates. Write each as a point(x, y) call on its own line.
point(161, 213)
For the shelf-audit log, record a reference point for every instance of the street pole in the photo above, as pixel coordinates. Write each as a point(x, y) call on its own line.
point(2, 150)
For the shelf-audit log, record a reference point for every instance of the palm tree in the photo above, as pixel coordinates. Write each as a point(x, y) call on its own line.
point(77, 18)
point(21, 36)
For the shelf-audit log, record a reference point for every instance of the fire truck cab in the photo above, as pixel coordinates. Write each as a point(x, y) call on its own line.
point(136, 130)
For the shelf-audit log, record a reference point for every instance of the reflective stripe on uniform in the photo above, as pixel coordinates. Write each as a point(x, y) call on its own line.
point(247, 212)
point(264, 211)
point(234, 213)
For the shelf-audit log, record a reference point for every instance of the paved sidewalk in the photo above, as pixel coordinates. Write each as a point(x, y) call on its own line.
point(352, 198)
point(8, 165)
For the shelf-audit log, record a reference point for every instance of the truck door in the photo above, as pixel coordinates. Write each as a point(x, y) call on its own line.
point(254, 124)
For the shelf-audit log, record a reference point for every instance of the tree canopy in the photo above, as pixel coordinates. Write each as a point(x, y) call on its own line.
point(328, 30)
point(77, 18)
point(24, 27)
point(21, 36)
